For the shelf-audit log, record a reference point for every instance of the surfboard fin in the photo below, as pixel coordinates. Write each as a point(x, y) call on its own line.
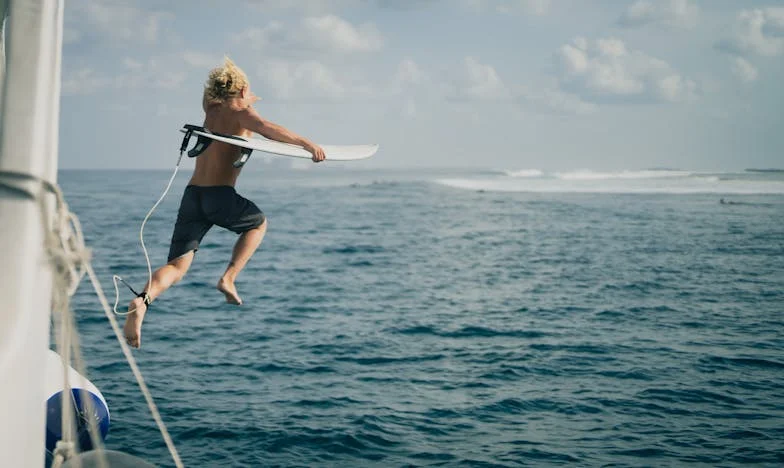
point(203, 142)
point(244, 156)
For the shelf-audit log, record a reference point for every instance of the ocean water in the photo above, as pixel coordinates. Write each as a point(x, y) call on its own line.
point(454, 318)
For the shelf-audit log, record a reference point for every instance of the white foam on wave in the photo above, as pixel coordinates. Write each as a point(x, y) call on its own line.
point(672, 185)
point(586, 174)
point(524, 173)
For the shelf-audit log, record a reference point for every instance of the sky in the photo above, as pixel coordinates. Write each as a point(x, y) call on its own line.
point(507, 85)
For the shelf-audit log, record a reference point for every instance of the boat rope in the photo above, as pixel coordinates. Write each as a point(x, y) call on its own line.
point(64, 246)
point(71, 261)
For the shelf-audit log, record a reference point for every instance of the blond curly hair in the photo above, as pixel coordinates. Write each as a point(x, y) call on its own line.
point(224, 83)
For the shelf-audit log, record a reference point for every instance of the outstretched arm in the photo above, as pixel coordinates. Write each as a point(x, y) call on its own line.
point(251, 120)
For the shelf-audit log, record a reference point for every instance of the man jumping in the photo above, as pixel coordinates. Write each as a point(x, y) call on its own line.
point(210, 197)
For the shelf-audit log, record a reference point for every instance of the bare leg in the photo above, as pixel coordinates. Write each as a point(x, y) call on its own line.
point(162, 279)
point(244, 248)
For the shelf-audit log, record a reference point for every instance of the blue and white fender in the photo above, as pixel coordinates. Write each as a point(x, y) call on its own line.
point(83, 392)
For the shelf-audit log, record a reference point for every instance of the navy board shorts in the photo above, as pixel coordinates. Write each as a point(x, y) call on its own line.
point(203, 207)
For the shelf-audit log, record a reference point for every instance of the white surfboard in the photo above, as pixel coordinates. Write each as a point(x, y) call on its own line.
point(332, 152)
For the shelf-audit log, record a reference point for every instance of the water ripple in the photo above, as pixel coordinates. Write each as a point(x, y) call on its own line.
point(551, 330)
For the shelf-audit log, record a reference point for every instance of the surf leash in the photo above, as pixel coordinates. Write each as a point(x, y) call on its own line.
point(116, 278)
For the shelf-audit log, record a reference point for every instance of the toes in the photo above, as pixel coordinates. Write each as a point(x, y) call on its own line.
point(132, 340)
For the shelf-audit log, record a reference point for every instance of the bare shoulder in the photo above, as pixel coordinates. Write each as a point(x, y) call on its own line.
point(250, 119)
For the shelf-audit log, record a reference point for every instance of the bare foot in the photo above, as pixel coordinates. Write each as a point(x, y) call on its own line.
point(133, 322)
point(227, 288)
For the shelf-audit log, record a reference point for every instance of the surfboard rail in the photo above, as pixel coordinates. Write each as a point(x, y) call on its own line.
point(248, 145)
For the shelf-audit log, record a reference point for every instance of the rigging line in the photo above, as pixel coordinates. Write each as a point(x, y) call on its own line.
point(68, 255)
point(134, 367)
point(71, 252)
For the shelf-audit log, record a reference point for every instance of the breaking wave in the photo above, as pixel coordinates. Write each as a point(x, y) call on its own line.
point(524, 173)
point(628, 181)
point(586, 174)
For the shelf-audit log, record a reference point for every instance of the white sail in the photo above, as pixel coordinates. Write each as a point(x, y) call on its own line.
point(28, 144)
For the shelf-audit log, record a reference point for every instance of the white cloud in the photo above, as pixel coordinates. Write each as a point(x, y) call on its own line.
point(83, 81)
point(409, 82)
point(315, 7)
point(533, 7)
point(553, 100)
point(200, 59)
point(757, 32)
point(611, 47)
point(336, 34)
point(673, 87)
point(311, 7)
point(476, 80)
point(131, 64)
point(574, 57)
point(607, 68)
point(744, 70)
point(117, 21)
point(568, 103)
point(133, 74)
point(153, 74)
point(408, 73)
point(672, 13)
point(603, 69)
point(323, 34)
point(288, 80)
point(273, 35)
point(473, 80)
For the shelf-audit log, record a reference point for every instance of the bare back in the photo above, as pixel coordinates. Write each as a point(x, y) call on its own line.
point(215, 165)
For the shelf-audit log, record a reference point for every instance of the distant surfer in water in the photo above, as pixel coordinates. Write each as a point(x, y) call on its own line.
point(210, 197)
